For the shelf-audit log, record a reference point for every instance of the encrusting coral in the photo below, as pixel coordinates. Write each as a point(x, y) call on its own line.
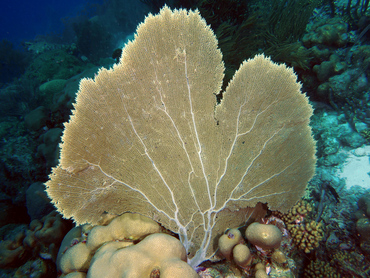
point(145, 136)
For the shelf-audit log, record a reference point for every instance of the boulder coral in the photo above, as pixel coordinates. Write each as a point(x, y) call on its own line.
point(45, 236)
point(242, 255)
point(49, 148)
point(159, 254)
point(232, 247)
point(36, 119)
point(53, 86)
point(113, 250)
point(228, 241)
point(266, 236)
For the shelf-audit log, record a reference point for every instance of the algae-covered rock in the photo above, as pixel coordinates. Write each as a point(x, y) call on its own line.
point(36, 119)
point(55, 64)
point(328, 32)
point(53, 86)
point(363, 228)
point(49, 148)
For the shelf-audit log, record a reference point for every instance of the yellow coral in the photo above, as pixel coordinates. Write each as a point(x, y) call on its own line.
point(265, 236)
point(110, 250)
point(320, 269)
point(227, 242)
point(306, 236)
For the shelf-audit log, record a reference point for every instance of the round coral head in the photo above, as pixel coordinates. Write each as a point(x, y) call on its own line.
point(264, 235)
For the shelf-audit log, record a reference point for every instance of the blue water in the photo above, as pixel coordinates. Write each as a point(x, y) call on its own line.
point(22, 20)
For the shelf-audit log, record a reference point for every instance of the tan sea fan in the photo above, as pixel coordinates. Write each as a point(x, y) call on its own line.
point(148, 136)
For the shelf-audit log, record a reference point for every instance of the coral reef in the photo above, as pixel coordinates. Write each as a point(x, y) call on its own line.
point(180, 187)
point(40, 46)
point(331, 56)
point(351, 263)
point(37, 268)
point(12, 252)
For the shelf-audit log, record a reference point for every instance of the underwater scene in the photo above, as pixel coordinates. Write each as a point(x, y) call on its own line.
point(185, 138)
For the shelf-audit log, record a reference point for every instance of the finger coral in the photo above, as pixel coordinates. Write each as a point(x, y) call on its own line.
point(149, 136)
point(306, 235)
point(321, 269)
